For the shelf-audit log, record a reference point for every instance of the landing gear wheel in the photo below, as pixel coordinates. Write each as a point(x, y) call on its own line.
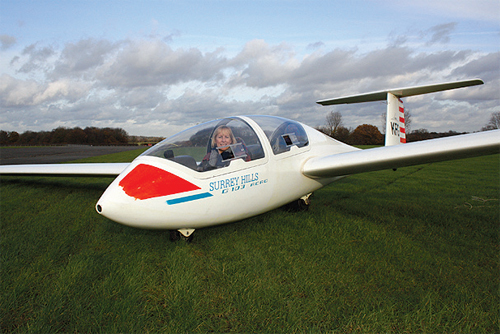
point(186, 234)
point(188, 239)
point(302, 204)
point(174, 235)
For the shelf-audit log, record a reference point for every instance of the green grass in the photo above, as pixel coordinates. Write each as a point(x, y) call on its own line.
point(414, 250)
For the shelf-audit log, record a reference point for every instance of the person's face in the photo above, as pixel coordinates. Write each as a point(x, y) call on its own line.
point(223, 138)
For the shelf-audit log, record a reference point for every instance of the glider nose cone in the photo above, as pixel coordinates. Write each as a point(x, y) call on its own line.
point(102, 206)
point(138, 198)
point(115, 205)
point(112, 206)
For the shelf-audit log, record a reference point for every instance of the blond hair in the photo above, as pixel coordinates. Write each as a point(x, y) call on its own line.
point(219, 130)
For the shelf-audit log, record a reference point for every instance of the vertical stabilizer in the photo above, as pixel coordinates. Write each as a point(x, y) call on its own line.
point(395, 122)
point(395, 132)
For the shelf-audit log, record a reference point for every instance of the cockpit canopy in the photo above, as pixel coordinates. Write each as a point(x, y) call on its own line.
point(197, 147)
point(282, 133)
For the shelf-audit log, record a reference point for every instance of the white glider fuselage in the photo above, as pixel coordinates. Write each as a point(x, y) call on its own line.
point(238, 167)
point(241, 190)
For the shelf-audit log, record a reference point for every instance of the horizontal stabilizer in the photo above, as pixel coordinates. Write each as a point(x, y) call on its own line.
point(389, 157)
point(84, 169)
point(400, 92)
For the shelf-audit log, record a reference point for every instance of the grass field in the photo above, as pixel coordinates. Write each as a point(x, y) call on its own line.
point(414, 250)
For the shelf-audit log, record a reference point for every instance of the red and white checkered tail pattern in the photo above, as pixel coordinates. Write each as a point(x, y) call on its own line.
point(402, 128)
point(395, 123)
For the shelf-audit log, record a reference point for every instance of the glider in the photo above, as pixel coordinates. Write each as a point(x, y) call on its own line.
point(238, 167)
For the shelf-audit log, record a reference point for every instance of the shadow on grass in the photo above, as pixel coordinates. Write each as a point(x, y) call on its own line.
point(83, 183)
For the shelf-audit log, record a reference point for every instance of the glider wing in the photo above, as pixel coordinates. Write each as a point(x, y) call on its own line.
point(84, 169)
point(390, 157)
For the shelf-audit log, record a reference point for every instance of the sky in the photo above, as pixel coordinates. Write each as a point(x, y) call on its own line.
point(156, 67)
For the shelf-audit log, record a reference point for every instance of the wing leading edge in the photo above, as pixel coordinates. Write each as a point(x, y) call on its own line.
point(401, 92)
point(388, 157)
point(84, 169)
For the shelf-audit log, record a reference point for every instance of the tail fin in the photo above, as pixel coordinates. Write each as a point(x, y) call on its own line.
point(395, 123)
point(395, 131)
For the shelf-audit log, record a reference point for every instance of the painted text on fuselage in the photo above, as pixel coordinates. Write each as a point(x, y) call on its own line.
point(233, 182)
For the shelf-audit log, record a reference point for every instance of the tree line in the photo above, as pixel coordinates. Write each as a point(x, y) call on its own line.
point(64, 136)
point(364, 134)
point(367, 134)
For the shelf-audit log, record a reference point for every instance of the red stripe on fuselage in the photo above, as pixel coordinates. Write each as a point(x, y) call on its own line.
point(146, 181)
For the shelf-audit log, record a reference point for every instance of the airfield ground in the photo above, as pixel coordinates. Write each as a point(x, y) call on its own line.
point(55, 154)
point(414, 250)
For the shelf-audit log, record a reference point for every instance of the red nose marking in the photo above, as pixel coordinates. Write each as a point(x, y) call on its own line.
point(146, 181)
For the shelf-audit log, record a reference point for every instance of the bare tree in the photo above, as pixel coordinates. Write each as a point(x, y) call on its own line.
point(407, 121)
point(333, 121)
point(383, 117)
point(494, 122)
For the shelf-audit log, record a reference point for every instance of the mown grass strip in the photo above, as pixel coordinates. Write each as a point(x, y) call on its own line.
point(414, 250)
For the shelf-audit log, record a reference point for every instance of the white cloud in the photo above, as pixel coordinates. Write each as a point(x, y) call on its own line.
point(15, 92)
point(149, 88)
point(6, 41)
point(153, 62)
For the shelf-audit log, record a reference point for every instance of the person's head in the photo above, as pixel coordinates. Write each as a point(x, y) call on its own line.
point(223, 136)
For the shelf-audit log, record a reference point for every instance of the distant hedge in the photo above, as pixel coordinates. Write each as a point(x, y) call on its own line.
point(62, 135)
